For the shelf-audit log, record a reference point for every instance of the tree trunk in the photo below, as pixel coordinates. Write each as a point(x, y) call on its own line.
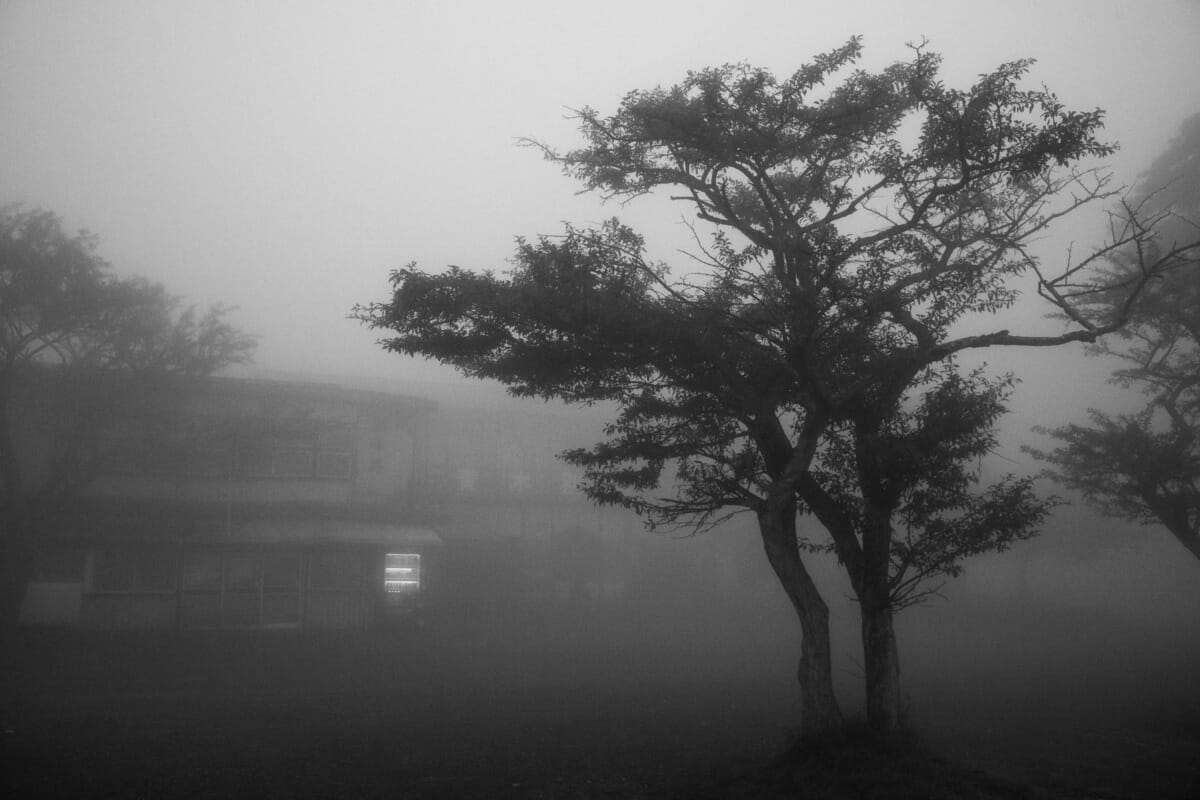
point(1188, 538)
point(885, 710)
point(16, 562)
point(16, 525)
point(819, 712)
point(1176, 518)
point(880, 657)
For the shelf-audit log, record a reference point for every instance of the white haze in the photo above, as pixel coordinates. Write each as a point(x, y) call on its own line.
point(283, 157)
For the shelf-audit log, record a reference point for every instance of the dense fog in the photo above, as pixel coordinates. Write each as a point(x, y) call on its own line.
point(278, 161)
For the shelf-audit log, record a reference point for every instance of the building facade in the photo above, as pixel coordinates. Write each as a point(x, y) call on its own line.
point(230, 503)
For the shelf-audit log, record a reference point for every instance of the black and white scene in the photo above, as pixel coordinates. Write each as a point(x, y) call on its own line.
point(463, 399)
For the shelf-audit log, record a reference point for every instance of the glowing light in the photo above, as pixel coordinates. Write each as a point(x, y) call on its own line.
point(402, 573)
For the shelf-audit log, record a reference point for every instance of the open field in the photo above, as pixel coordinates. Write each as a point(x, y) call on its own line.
point(551, 709)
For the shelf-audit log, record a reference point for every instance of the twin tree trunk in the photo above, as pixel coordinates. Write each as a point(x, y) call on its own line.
point(819, 712)
point(820, 715)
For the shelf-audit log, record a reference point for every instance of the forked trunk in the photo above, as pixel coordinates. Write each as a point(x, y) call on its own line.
point(819, 712)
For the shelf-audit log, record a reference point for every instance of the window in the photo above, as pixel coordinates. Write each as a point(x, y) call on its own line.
point(202, 571)
point(338, 570)
point(335, 436)
point(300, 450)
point(193, 449)
point(280, 589)
point(402, 576)
point(254, 459)
point(135, 572)
point(292, 463)
point(281, 572)
point(240, 590)
point(241, 573)
point(335, 450)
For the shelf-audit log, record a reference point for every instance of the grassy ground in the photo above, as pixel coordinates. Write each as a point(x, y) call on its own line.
point(544, 710)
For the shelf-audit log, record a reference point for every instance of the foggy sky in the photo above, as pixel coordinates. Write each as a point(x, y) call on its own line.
point(283, 156)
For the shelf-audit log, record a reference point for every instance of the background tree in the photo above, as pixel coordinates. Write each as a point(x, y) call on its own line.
point(808, 365)
point(1145, 466)
point(76, 344)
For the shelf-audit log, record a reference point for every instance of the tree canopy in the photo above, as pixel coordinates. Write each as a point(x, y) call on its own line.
point(61, 305)
point(1145, 466)
point(808, 363)
point(74, 338)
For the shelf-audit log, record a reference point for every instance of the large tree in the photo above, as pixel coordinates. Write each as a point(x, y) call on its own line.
point(1145, 466)
point(77, 345)
point(807, 365)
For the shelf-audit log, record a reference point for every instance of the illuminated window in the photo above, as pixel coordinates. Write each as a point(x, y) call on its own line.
point(402, 575)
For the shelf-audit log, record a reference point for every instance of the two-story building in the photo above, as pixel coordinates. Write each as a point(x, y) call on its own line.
point(244, 503)
point(252, 503)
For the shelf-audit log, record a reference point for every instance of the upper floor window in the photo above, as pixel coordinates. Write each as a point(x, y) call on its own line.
point(134, 571)
point(300, 450)
point(226, 448)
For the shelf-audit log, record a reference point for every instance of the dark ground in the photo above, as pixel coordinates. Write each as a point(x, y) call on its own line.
point(548, 708)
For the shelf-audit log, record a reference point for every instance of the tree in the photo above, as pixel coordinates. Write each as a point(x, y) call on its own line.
point(76, 344)
point(808, 365)
point(1145, 466)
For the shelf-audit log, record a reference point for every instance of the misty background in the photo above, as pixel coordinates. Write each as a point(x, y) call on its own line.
point(282, 157)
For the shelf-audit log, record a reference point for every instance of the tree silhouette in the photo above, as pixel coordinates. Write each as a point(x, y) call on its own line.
point(808, 364)
point(76, 344)
point(1145, 466)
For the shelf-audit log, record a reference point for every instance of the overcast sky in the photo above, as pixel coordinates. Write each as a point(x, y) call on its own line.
point(284, 156)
